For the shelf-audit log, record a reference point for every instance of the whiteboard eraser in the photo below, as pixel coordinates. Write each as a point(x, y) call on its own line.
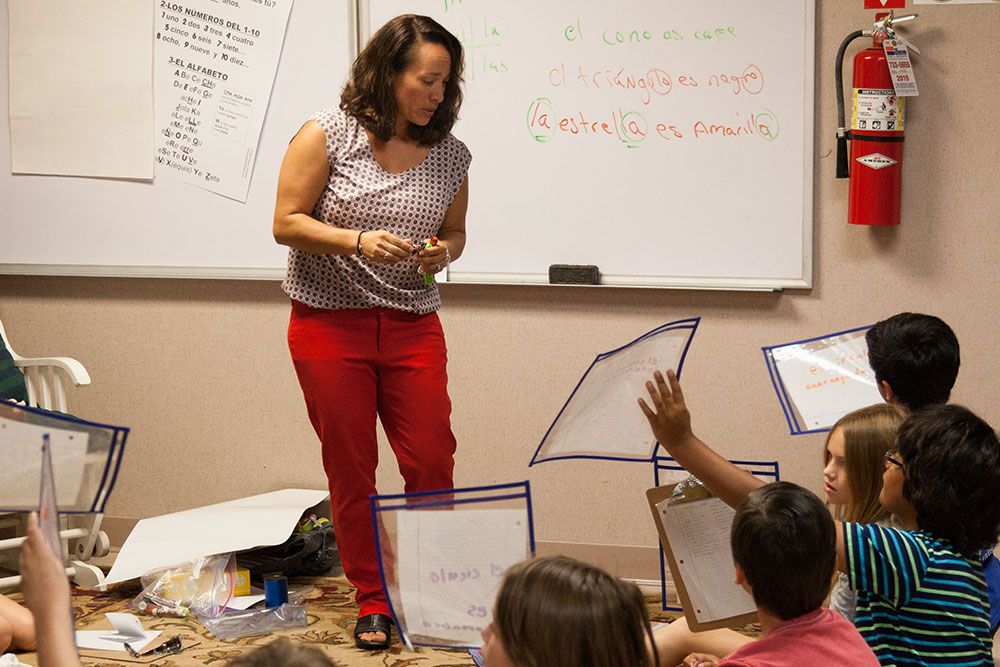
point(574, 274)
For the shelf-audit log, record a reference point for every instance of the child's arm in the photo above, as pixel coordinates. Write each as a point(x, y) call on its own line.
point(46, 590)
point(676, 641)
point(671, 423)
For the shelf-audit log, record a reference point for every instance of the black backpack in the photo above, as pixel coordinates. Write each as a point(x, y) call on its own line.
point(308, 554)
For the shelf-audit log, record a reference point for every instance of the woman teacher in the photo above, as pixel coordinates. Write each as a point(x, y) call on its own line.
point(362, 188)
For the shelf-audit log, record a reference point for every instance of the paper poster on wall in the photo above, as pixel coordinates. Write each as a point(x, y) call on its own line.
point(214, 65)
point(821, 379)
point(955, 2)
point(601, 418)
point(81, 88)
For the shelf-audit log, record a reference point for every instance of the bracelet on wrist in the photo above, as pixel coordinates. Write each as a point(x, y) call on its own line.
point(359, 243)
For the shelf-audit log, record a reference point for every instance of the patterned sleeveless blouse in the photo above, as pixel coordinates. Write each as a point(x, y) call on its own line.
point(361, 195)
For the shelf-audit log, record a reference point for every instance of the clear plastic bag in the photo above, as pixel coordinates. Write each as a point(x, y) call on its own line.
point(203, 586)
point(235, 624)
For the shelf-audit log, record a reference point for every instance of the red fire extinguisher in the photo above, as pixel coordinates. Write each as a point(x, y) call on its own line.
point(876, 134)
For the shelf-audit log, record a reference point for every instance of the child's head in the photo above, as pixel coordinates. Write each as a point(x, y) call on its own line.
point(283, 653)
point(557, 611)
point(947, 475)
point(853, 461)
point(916, 356)
point(784, 543)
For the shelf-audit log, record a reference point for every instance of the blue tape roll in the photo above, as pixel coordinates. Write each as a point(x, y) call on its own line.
point(275, 590)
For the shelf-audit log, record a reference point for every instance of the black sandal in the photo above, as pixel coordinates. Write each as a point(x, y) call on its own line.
point(373, 623)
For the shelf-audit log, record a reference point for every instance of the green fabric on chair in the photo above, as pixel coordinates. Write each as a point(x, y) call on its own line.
point(11, 379)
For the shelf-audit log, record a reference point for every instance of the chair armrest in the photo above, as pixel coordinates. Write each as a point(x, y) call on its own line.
point(77, 373)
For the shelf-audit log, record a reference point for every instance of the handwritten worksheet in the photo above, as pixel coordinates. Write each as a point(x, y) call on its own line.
point(450, 564)
point(601, 419)
point(698, 533)
point(819, 380)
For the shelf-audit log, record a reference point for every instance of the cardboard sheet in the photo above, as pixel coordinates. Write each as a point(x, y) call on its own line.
point(235, 525)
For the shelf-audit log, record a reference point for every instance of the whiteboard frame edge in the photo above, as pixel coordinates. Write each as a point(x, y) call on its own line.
point(668, 282)
point(809, 154)
point(113, 271)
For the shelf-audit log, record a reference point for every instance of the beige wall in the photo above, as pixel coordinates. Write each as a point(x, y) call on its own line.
point(200, 371)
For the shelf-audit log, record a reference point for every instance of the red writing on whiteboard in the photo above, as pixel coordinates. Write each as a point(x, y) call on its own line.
point(654, 81)
point(750, 81)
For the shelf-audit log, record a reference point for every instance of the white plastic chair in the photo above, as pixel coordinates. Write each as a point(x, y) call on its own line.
point(46, 379)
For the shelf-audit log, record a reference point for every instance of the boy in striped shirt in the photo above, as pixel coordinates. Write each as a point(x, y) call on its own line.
point(922, 596)
point(921, 590)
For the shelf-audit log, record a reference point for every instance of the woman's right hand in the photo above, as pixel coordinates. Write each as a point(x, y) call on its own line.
point(382, 247)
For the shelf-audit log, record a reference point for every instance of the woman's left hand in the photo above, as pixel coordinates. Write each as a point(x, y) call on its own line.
point(433, 260)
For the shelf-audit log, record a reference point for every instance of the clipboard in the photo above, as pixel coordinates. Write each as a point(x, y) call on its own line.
point(698, 619)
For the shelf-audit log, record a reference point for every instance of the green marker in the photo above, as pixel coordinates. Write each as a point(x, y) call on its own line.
point(429, 277)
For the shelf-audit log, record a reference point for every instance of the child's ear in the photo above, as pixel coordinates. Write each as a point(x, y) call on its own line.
point(888, 395)
point(741, 577)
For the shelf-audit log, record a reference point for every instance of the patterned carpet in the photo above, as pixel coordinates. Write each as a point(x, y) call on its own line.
point(331, 615)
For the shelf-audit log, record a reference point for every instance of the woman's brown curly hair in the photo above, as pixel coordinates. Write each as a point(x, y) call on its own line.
point(369, 96)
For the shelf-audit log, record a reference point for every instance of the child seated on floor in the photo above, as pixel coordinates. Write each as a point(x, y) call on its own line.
point(784, 547)
point(853, 461)
point(915, 359)
point(558, 612)
point(922, 596)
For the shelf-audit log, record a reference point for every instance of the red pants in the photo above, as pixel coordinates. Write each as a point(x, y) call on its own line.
point(352, 365)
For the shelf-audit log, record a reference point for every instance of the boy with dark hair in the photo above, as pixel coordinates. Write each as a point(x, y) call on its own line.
point(922, 591)
point(915, 359)
point(922, 597)
point(784, 549)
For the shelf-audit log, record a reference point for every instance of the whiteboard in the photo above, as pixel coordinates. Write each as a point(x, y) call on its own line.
point(667, 142)
point(164, 228)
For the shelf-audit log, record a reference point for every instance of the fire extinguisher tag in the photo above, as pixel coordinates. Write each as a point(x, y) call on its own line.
point(877, 110)
point(898, 58)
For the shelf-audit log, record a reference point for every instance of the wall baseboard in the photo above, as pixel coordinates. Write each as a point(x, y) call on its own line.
point(637, 564)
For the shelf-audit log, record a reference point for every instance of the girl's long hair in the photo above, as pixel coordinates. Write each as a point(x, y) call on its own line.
point(559, 612)
point(868, 434)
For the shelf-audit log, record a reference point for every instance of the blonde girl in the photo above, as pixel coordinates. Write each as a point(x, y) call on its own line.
point(853, 463)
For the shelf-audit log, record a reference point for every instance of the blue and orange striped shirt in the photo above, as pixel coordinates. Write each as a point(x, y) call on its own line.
point(919, 601)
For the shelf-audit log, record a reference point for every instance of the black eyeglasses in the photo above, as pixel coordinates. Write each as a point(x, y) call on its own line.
point(890, 458)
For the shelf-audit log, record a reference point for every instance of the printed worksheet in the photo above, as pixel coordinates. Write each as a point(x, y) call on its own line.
point(214, 65)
